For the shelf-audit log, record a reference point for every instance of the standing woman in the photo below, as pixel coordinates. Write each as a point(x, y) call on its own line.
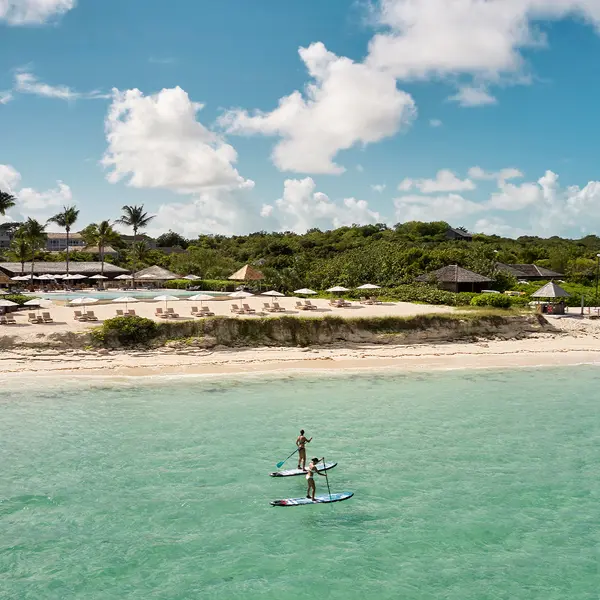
point(312, 469)
point(301, 442)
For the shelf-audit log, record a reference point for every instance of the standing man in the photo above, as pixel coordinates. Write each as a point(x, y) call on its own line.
point(301, 442)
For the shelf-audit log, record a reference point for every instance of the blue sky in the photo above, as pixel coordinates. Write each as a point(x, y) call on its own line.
point(481, 114)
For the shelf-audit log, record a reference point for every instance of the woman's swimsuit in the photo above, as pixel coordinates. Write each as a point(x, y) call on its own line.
point(311, 472)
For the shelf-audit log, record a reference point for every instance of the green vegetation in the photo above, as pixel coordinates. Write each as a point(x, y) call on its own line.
point(19, 299)
point(208, 285)
point(493, 300)
point(66, 219)
point(125, 331)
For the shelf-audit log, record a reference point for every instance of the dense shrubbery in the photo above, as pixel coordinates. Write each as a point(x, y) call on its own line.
point(126, 331)
point(426, 294)
point(207, 285)
point(19, 299)
point(493, 300)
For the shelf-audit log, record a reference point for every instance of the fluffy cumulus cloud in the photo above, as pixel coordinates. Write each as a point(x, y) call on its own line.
point(27, 83)
point(452, 208)
point(346, 104)
point(502, 175)
point(157, 142)
point(301, 207)
point(445, 181)
point(31, 202)
point(378, 187)
point(33, 12)
point(469, 96)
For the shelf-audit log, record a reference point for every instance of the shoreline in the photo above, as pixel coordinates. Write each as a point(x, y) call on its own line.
point(542, 351)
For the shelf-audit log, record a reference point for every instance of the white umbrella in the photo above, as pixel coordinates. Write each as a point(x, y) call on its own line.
point(20, 278)
point(192, 277)
point(148, 276)
point(240, 294)
point(166, 298)
point(78, 276)
point(38, 302)
point(68, 277)
point(200, 298)
point(126, 299)
point(305, 292)
point(98, 277)
point(368, 286)
point(273, 293)
point(83, 301)
point(7, 303)
point(124, 277)
point(338, 288)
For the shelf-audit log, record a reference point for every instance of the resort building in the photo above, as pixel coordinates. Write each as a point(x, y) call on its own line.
point(57, 242)
point(458, 234)
point(529, 272)
point(12, 269)
point(456, 279)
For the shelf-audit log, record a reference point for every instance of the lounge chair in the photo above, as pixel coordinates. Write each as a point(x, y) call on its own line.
point(334, 303)
point(300, 306)
point(277, 307)
point(172, 314)
point(194, 311)
point(91, 316)
point(309, 305)
point(10, 320)
point(120, 313)
point(78, 316)
point(3, 321)
point(159, 313)
point(268, 307)
point(236, 309)
point(131, 313)
point(205, 312)
point(248, 310)
point(47, 318)
point(33, 318)
point(375, 300)
point(364, 300)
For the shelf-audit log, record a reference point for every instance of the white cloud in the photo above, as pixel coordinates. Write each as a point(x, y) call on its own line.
point(514, 197)
point(449, 207)
point(435, 123)
point(31, 202)
point(378, 187)
point(499, 176)
point(156, 142)
point(468, 96)
point(27, 83)
point(302, 208)
point(5, 97)
point(497, 226)
point(33, 12)
point(347, 103)
point(445, 181)
point(360, 168)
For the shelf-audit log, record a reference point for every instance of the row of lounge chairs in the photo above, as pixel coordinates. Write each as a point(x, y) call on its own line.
point(32, 318)
point(339, 303)
point(168, 313)
point(371, 300)
point(308, 305)
point(203, 312)
point(86, 316)
point(245, 310)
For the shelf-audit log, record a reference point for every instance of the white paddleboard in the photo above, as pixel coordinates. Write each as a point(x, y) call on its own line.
point(293, 472)
point(321, 499)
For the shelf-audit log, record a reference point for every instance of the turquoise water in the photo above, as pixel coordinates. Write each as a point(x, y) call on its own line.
point(468, 486)
point(141, 294)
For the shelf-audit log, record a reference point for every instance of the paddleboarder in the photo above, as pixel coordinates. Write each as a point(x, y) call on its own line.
point(301, 442)
point(312, 469)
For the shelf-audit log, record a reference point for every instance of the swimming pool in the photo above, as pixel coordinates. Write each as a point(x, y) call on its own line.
point(111, 295)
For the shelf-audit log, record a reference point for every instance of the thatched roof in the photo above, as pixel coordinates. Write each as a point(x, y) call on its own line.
point(453, 274)
point(157, 273)
point(4, 279)
point(40, 268)
point(247, 273)
point(550, 290)
point(535, 271)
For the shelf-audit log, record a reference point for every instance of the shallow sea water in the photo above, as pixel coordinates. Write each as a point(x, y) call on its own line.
point(468, 485)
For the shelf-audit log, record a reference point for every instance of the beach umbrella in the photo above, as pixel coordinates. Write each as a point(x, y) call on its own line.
point(98, 277)
point(124, 277)
point(83, 301)
point(126, 299)
point(7, 303)
point(192, 277)
point(337, 288)
point(240, 294)
point(200, 298)
point(305, 292)
point(273, 293)
point(368, 286)
point(166, 298)
point(38, 303)
point(20, 278)
point(78, 276)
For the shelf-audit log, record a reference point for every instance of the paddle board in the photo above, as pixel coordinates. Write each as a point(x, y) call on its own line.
point(292, 472)
point(321, 499)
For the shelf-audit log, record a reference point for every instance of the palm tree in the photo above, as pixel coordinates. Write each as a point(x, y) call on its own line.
point(137, 219)
point(66, 219)
point(100, 234)
point(35, 235)
point(139, 251)
point(7, 201)
point(20, 250)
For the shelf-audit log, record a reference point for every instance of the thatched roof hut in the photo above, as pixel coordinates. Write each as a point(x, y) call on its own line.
point(456, 279)
point(155, 273)
point(550, 290)
point(247, 273)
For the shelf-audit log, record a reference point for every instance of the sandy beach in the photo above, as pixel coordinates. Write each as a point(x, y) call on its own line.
point(576, 341)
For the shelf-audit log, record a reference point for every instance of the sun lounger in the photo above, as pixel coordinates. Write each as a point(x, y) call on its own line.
point(172, 314)
point(375, 300)
point(159, 313)
point(334, 303)
point(91, 316)
point(248, 310)
point(309, 305)
point(10, 320)
point(33, 318)
point(120, 313)
point(3, 321)
point(78, 316)
point(300, 306)
point(268, 307)
point(131, 313)
point(194, 311)
point(47, 318)
point(205, 312)
point(277, 307)
point(364, 300)
point(236, 309)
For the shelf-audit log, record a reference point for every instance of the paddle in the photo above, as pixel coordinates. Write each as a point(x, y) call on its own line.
point(280, 464)
point(327, 478)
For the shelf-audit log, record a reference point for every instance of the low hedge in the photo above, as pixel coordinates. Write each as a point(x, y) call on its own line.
point(19, 299)
point(426, 294)
point(127, 331)
point(208, 285)
point(493, 300)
